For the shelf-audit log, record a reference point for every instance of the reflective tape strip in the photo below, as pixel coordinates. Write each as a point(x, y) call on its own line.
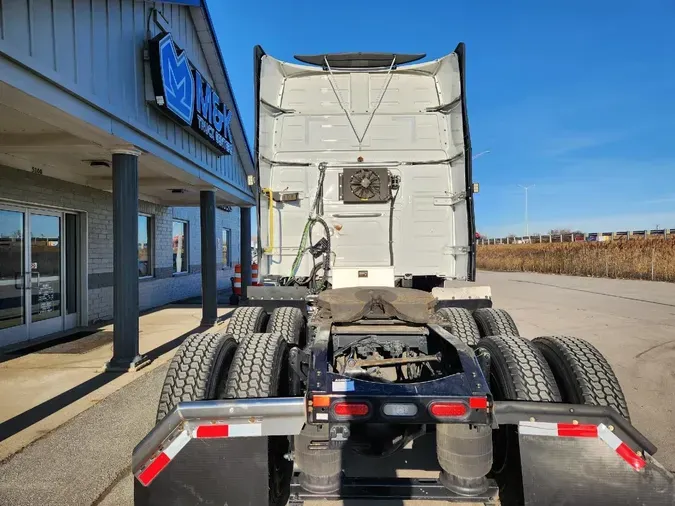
point(624, 451)
point(237, 284)
point(211, 431)
point(229, 430)
point(155, 466)
point(577, 430)
point(558, 429)
point(538, 428)
point(150, 473)
point(600, 431)
point(246, 430)
point(204, 431)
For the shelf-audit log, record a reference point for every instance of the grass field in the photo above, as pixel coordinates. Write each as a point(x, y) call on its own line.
point(652, 259)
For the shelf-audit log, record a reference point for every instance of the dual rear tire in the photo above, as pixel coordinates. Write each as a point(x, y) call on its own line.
point(243, 362)
point(216, 365)
point(471, 327)
point(547, 369)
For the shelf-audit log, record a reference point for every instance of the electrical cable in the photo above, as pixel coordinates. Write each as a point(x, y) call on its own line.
point(316, 210)
point(391, 227)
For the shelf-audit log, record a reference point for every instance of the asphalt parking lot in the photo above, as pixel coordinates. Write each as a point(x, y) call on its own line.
point(86, 461)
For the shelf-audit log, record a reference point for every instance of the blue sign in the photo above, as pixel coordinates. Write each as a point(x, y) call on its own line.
point(186, 96)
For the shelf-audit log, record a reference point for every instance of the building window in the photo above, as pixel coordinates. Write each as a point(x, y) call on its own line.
point(180, 248)
point(227, 235)
point(144, 246)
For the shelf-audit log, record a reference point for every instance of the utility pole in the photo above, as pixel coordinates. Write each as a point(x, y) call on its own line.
point(527, 223)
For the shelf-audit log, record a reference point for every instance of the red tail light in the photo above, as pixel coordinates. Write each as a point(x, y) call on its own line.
point(351, 409)
point(448, 409)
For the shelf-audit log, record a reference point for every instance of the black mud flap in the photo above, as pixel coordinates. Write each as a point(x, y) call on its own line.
point(211, 472)
point(588, 465)
point(214, 452)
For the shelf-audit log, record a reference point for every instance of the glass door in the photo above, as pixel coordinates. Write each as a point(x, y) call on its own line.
point(46, 273)
point(39, 273)
point(13, 316)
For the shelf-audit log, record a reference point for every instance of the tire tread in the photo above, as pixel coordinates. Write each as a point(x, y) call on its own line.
point(531, 377)
point(287, 321)
point(495, 322)
point(461, 324)
point(255, 364)
point(190, 369)
point(247, 320)
point(594, 381)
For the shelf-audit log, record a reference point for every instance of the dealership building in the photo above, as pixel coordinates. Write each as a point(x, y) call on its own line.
point(126, 181)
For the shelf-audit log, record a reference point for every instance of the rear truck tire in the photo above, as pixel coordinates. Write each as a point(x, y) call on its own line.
point(583, 375)
point(197, 371)
point(461, 324)
point(517, 372)
point(260, 369)
point(289, 322)
point(247, 320)
point(495, 322)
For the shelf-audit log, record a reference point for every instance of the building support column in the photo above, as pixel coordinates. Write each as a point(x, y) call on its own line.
point(125, 261)
point(245, 245)
point(207, 211)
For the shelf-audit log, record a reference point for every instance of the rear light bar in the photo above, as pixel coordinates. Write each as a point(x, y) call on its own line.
point(324, 407)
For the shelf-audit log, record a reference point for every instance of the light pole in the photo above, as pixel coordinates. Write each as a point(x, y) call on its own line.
point(527, 224)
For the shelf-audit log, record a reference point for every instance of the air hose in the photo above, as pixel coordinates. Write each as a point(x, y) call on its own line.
point(316, 210)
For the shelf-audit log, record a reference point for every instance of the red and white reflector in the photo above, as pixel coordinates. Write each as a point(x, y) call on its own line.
point(220, 430)
point(624, 451)
point(600, 431)
point(158, 463)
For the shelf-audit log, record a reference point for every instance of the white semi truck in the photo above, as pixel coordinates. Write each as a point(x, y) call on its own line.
point(368, 332)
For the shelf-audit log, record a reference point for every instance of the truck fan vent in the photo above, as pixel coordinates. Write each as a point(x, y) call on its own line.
point(365, 185)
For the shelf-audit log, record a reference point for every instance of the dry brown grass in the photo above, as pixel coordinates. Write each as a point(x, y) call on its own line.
point(616, 259)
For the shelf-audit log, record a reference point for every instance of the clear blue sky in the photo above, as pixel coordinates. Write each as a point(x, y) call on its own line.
point(577, 98)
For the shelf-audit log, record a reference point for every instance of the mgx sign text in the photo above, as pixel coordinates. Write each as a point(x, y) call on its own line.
point(182, 92)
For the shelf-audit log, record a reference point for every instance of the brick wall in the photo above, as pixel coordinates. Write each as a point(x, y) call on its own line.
point(24, 187)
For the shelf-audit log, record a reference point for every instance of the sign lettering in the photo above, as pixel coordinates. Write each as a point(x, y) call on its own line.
point(182, 92)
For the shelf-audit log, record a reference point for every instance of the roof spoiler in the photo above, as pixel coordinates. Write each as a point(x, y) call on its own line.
point(359, 60)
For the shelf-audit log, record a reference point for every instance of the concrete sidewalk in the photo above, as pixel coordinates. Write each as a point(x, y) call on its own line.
point(43, 389)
